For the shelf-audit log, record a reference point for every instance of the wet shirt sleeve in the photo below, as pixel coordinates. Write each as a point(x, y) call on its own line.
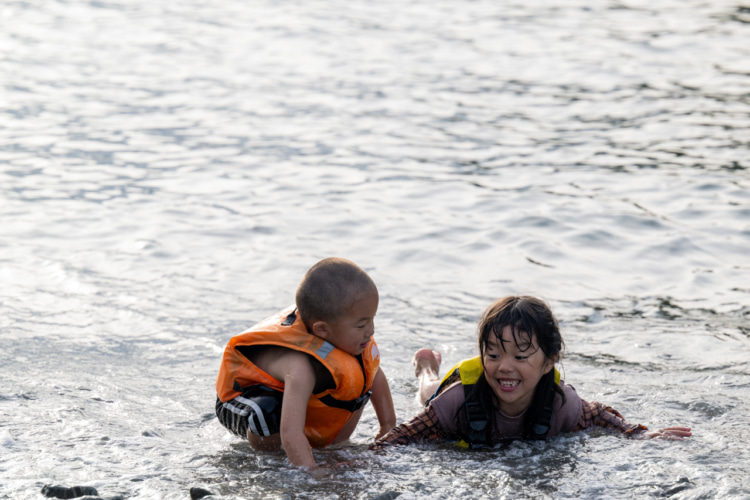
point(425, 426)
point(566, 415)
point(596, 414)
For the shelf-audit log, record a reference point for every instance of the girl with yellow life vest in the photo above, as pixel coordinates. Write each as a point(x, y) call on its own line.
point(512, 390)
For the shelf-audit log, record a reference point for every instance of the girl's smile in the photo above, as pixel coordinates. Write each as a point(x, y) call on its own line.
point(508, 385)
point(513, 371)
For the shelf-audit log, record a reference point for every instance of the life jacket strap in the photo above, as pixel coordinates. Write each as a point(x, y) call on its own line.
point(351, 406)
point(475, 417)
point(542, 426)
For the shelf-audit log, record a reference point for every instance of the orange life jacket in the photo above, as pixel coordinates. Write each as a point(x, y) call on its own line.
point(328, 411)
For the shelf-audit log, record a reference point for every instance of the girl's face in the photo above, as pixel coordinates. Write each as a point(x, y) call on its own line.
point(512, 371)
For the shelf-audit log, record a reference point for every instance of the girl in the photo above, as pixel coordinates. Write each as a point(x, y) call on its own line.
point(511, 390)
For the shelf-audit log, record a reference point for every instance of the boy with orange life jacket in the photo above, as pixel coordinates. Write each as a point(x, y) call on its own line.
point(301, 378)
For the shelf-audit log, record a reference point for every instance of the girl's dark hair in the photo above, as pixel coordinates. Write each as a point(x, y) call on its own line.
point(527, 317)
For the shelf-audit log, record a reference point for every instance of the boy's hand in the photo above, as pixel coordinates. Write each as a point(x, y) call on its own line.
point(326, 470)
point(319, 473)
point(383, 431)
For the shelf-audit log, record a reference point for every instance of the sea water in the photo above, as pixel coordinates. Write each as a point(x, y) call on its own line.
point(169, 170)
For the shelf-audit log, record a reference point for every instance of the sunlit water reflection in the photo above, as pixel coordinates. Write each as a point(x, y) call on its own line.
point(168, 171)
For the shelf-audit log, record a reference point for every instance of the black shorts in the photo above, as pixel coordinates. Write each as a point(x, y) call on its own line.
point(257, 408)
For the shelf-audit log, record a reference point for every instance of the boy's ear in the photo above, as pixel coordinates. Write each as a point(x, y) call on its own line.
point(321, 329)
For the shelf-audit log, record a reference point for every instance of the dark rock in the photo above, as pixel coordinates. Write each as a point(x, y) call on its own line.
point(196, 493)
point(683, 484)
point(64, 492)
point(388, 495)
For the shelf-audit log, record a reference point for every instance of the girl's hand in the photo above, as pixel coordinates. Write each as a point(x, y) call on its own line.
point(677, 433)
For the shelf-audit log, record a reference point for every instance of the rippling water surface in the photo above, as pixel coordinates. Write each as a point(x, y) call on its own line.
point(169, 170)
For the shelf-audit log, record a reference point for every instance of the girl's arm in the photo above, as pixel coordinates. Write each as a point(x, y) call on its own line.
point(383, 403)
point(595, 414)
point(424, 426)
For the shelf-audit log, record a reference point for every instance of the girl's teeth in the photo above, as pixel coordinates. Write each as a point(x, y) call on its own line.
point(508, 383)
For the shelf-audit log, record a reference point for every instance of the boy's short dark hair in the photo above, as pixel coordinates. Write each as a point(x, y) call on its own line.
point(329, 288)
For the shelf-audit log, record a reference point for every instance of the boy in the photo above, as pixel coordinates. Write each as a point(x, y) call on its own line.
point(301, 378)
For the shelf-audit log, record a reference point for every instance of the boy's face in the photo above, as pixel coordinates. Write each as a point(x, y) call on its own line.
point(352, 331)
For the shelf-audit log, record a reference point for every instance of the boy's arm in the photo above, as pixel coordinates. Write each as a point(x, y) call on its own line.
point(383, 403)
point(295, 369)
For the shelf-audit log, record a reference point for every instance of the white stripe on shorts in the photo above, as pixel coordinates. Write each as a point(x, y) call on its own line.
point(242, 412)
point(259, 413)
point(253, 429)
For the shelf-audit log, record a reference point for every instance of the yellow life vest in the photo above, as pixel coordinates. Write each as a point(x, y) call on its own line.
point(468, 372)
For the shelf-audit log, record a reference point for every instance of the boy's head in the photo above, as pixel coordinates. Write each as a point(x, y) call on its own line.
point(337, 301)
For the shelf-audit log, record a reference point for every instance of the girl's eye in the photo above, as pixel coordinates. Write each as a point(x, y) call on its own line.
point(521, 358)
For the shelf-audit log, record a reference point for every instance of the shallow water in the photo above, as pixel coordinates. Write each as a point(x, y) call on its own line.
point(169, 170)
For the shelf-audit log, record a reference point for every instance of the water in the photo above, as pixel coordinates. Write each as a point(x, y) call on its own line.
point(169, 170)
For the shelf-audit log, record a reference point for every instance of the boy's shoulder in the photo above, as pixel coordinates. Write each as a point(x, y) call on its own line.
point(277, 361)
point(280, 362)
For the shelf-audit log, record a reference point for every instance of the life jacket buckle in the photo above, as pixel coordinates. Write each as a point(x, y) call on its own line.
point(477, 420)
point(352, 406)
point(290, 319)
